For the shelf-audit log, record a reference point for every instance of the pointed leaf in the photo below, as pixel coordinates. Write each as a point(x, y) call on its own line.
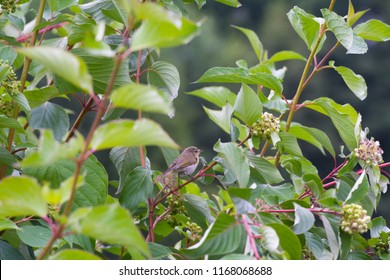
point(289, 242)
point(216, 95)
point(6, 157)
point(62, 63)
point(128, 133)
point(286, 55)
point(232, 3)
point(222, 118)
point(254, 40)
point(21, 196)
point(166, 77)
point(137, 187)
point(109, 223)
point(339, 27)
point(331, 237)
point(248, 105)
point(37, 97)
point(141, 97)
point(234, 161)
point(373, 30)
point(34, 236)
point(240, 75)
point(304, 219)
point(359, 189)
point(268, 170)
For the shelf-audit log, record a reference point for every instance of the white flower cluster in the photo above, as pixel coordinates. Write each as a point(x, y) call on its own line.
point(355, 219)
point(369, 151)
point(265, 125)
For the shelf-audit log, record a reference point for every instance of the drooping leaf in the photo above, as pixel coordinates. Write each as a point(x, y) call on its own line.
point(141, 97)
point(304, 219)
point(21, 196)
point(64, 64)
point(254, 40)
point(288, 241)
point(343, 117)
point(355, 82)
point(248, 105)
point(373, 30)
point(232, 3)
point(216, 95)
point(307, 26)
point(240, 75)
point(6, 157)
point(316, 245)
point(333, 240)
point(50, 116)
point(165, 76)
point(288, 144)
point(137, 187)
point(222, 118)
point(109, 223)
point(270, 173)
point(129, 133)
point(11, 123)
point(234, 161)
point(198, 209)
point(359, 189)
point(313, 136)
point(378, 226)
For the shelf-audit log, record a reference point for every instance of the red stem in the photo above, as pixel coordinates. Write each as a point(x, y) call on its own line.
point(24, 38)
point(252, 239)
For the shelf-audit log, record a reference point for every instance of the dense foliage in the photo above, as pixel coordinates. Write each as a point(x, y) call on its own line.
point(272, 202)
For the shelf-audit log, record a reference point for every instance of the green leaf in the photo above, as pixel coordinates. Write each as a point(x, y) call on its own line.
point(137, 187)
point(286, 55)
point(64, 64)
point(359, 189)
point(129, 133)
point(333, 240)
point(232, 3)
point(11, 123)
point(234, 161)
point(355, 83)
point(93, 191)
point(7, 224)
point(7, 53)
point(289, 242)
point(223, 237)
point(270, 239)
point(353, 17)
point(254, 40)
point(267, 170)
point(125, 160)
point(288, 144)
point(6, 157)
point(21, 196)
point(304, 219)
point(307, 26)
point(222, 118)
point(166, 77)
point(248, 105)
point(7, 252)
point(343, 117)
point(240, 75)
point(378, 225)
point(373, 30)
point(200, 205)
point(50, 116)
point(109, 223)
point(73, 254)
point(22, 102)
point(159, 251)
point(51, 151)
point(161, 34)
point(316, 245)
point(216, 95)
point(37, 97)
point(141, 97)
point(34, 236)
point(313, 136)
point(344, 33)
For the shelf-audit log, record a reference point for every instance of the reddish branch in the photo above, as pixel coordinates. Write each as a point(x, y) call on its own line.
point(24, 38)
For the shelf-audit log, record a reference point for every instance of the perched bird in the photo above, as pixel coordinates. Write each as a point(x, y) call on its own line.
point(186, 162)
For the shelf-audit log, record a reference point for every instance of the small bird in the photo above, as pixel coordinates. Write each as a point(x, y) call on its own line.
point(186, 162)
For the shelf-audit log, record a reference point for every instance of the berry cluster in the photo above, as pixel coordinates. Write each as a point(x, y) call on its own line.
point(354, 219)
point(265, 125)
point(9, 87)
point(194, 231)
point(382, 247)
point(8, 5)
point(369, 151)
point(178, 208)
